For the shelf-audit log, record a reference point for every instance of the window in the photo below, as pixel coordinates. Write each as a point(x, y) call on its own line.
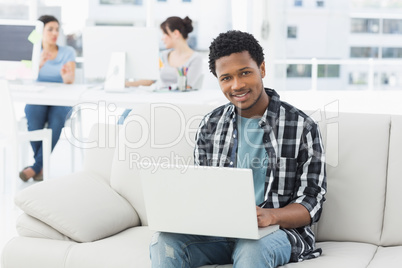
point(357, 78)
point(189, 1)
point(365, 25)
point(298, 70)
point(392, 26)
point(389, 79)
point(162, 0)
point(364, 52)
point(328, 70)
point(320, 3)
point(292, 32)
point(392, 52)
point(121, 2)
point(298, 3)
point(19, 10)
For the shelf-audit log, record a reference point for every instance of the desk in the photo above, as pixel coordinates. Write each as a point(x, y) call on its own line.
point(90, 100)
point(56, 94)
point(77, 94)
point(140, 95)
point(386, 102)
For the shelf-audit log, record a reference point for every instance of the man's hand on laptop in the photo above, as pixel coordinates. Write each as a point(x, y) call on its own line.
point(264, 217)
point(292, 216)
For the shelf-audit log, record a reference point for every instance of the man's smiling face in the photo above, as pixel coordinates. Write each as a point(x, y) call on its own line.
point(240, 79)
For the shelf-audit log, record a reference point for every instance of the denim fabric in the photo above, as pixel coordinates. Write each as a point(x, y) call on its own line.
point(182, 250)
point(37, 116)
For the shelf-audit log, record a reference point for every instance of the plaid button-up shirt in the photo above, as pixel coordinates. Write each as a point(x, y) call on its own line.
point(296, 162)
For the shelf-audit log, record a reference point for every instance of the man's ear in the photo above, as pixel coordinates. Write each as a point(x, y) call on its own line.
point(262, 69)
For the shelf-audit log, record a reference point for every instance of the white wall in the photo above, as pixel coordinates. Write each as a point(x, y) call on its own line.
point(210, 17)
point(321, 33)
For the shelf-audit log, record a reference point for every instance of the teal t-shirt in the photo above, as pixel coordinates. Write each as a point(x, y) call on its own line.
point(252, 154)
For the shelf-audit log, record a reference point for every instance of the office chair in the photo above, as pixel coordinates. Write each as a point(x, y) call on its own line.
point(11, 137)
point(71, 124)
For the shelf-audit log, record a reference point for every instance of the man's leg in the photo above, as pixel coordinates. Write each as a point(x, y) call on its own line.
point(269, 252)
point(181, 250)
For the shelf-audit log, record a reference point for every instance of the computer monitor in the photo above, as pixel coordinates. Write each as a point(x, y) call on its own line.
point(20, 48)
point(113, 54)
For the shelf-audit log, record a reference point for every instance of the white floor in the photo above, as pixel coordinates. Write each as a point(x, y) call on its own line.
point(60, 166)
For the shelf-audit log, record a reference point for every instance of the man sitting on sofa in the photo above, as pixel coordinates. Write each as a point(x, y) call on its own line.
point(283, 147)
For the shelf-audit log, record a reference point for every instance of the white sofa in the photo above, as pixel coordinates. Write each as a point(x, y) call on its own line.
point(96, 217)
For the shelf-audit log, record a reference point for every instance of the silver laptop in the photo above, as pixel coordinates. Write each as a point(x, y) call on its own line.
point(202, 201)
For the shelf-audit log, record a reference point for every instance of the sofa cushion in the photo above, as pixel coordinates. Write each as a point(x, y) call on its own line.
point(339, 254)
point(80, 206)
point(335, 255)
point(392, 234)
point(35, 252)
point(129, 248)
point(156, 133)
point(387, 257)
point(356, 182)
point(31, 227)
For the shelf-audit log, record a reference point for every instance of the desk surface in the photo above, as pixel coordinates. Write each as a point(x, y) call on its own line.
point(57, 94)
point(139, 95)
point(384, 102)
point(69, 95)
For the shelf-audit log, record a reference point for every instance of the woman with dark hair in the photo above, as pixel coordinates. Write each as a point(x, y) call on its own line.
point(57, 64)
point(178, 55)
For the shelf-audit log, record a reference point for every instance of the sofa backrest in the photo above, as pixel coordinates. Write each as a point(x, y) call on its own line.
point(99, 149)
point(357, 155)
point(392, 234)
point(153, 133)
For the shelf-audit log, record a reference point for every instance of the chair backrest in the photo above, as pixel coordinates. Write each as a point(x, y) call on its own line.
point(8, 123)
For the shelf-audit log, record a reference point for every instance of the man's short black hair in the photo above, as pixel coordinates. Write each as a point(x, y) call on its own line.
point(234, 42)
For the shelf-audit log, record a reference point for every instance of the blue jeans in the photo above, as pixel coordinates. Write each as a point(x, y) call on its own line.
point(182, 250)
point(37, 117)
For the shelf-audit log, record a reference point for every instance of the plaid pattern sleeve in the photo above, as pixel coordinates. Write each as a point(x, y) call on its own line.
point(296, 171)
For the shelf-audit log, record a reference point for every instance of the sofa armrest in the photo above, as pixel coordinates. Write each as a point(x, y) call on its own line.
point(28, 226)
point(79, 206)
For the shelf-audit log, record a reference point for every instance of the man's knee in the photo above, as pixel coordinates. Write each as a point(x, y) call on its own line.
point(165, 250)
point(164, 244)
point(270, 251)
point(246, 247)
point(164, 238)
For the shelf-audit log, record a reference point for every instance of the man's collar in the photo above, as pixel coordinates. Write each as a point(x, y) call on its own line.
point(273, 107)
